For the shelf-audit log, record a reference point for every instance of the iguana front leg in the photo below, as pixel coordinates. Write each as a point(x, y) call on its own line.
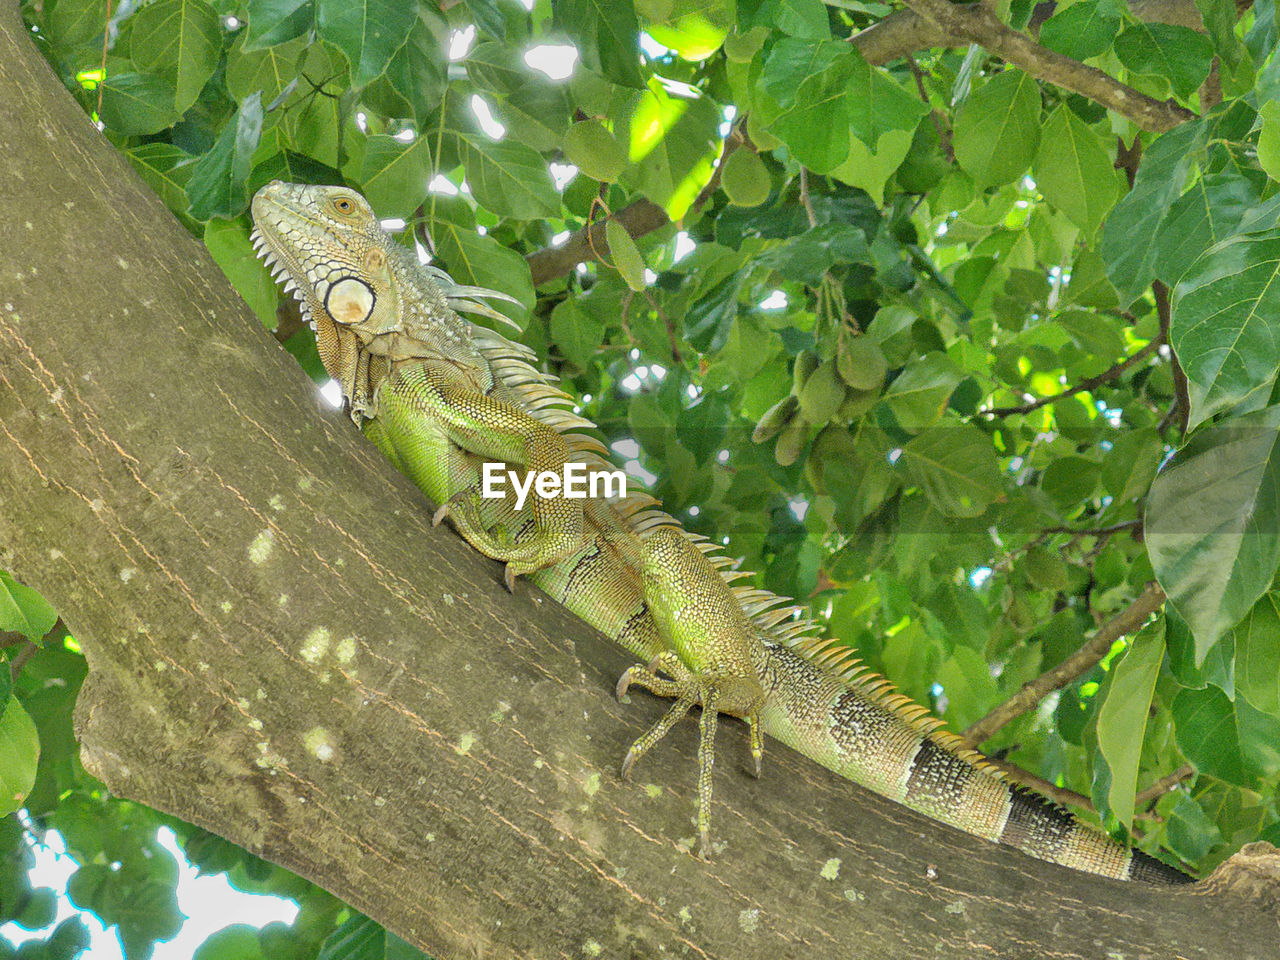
point(429, 400)
point(714, 657)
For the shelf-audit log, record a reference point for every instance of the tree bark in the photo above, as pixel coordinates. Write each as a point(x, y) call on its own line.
point(283, 651)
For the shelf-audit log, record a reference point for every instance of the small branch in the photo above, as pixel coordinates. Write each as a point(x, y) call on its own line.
point(1181, 396)
point(1051, 790)
point(1097, 531)
point(638, 218)
point(977, 24)
point(1032, 692)
point(944, 135)
point(20, 661)
point(805, 201)
point(1087, 384)
point(1164, 785)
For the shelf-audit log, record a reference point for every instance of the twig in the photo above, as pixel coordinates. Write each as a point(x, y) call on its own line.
point(1164, 785)
point(102, 70)
point(20, 661)
point(1040, 785)
point(1097, 531)
point(978, 24)
point(1181, 396)
point(805, 201)
point(1126, 621)
point(944, 135)
point(1087, 384)
point(638, 218)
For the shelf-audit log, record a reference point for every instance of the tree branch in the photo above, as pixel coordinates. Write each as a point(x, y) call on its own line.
point(1033, 691)
point(977, 24)
point(1086, 384)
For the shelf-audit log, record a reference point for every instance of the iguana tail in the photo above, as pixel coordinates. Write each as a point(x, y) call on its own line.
point(829, 707)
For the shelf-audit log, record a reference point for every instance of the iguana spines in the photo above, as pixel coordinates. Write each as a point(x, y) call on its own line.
point(816, 698)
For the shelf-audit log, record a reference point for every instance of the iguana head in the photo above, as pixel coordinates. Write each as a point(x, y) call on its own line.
point(334, 254)
point(341, 264)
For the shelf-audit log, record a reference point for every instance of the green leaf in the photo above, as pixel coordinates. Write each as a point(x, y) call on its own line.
point(1190, 832)
point(672, 142)
point(1130, 465)
point(268, 71)
point(71, 23)
point(576, 332)
point(810, 82)
point(24, 611)
point(507, 178)
point(607, 36)
point(219, 180)
point(483, 262)
point(1213, 523)
point(228, 243)
point(1131, 258)
point(138, 104)
point(1122, 717)
point(877, 104)
point(968, 686)
point(1225, 325)
point(1228, 740)
point(417, 76)
point(166, 170)
point(919, 396)
point(394, 175)
point(805, 19)
point(369, 32)
point(1074, 172)
point(1082, 30)
point(1211, 211)
point(997, 130)
point(1179, 54)
point(956, 466)
point(180, 40)
point(276, 21)
point(238, 941)
point(1257, 644)
point(1269, 140)
point(19, 755)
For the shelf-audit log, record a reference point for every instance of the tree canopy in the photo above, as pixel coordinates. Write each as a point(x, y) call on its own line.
point(957, 322)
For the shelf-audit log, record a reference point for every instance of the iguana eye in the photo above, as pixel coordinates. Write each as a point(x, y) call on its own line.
point(344, 205)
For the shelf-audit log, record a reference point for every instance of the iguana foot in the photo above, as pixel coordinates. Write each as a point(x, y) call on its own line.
point(521, 558)
point(688, 688)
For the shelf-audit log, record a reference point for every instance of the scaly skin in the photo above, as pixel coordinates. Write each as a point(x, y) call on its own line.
point(440, 396)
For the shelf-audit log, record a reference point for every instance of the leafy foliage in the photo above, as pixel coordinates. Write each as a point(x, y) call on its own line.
point(1006, 358)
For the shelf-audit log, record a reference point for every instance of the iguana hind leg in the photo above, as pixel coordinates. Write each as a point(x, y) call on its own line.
point(711, 660)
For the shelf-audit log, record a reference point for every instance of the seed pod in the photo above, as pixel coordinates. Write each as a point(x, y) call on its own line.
point(594, 150)
point(745, 178)
point(626, 255)
point(1045, 570)
point(806, 363)
point(822, 394)
point(862, 363)
point(856, 404)
point(775, 418)
point(791, 441)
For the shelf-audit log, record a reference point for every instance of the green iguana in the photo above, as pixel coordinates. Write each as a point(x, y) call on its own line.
point(440, 397)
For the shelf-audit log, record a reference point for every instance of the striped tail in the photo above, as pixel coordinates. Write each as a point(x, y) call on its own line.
point(852, 722)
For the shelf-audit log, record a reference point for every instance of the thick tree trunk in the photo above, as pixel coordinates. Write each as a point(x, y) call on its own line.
point(283, 650)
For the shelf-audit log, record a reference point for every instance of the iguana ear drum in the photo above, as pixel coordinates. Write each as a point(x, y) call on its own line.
point(350, 300)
